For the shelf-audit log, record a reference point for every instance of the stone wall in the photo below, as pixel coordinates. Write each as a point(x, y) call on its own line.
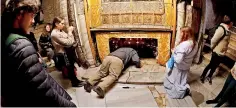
point(54, 8)
point(210, 15)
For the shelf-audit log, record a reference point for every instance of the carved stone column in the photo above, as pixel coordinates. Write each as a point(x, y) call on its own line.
point(180, 20)
point(72, 21)
point(83, 32)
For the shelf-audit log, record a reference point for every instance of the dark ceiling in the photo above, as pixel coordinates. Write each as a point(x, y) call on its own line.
point(225, 7)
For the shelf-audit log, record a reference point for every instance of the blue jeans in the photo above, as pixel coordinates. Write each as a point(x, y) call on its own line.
point(227, 91)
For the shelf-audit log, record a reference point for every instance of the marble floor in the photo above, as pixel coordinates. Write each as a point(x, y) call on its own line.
point(141, 93)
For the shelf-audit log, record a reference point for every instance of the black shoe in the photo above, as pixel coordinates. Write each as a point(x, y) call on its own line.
point(77, 83)
point(202, 79)
point(209, 80)
point(188, 93)
point(211, 101)
point(88, 87)
point(99, 91)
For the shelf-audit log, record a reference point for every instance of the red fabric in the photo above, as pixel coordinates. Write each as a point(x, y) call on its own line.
point(65, 72)
point(75, 70)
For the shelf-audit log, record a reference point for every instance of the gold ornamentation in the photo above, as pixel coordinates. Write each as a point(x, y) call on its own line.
point(148, 18)
point(137, 18)
point(105, 19)
point(158, 19)
point(115, 19)
point(126, 18)
point(162, 37)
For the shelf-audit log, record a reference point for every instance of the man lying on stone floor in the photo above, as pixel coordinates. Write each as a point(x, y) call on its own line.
point(110, 70)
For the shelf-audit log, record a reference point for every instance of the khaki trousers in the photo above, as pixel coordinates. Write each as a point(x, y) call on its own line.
point(110, 71)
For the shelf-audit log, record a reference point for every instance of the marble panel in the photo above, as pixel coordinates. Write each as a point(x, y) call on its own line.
point(89, 99)
point(133, 97)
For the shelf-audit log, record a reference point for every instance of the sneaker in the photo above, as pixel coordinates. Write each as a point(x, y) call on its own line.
point(209, 80)
point(87, 87)
point(99, 91)
point(202, 79)
point(77, 83)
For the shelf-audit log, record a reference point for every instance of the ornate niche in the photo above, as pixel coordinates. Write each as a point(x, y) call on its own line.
point(154, 19)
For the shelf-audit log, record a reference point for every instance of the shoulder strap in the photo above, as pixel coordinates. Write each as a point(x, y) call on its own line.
point(224, 30)
point(222, 36)
point(12, 37)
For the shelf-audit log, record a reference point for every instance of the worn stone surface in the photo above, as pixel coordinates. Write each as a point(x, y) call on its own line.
point(200, 92)
point(133, 97)
point(89, 99)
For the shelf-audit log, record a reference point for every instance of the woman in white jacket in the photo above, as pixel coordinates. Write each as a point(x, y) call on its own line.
point(175, 82)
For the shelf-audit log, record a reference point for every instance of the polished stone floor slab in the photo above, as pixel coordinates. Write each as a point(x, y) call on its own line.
point(85, 99)
point(201, 92)
point(132, 97)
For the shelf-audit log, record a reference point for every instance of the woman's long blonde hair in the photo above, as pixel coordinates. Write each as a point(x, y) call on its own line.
point(187, 34)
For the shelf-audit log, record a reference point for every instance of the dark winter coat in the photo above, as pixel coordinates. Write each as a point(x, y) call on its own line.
point(25, 82)
point(45, 41)
point(32, 39)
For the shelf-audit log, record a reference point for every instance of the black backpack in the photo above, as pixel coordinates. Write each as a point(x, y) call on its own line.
point(211, 33)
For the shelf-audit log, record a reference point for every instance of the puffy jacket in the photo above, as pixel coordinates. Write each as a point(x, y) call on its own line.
point(25, 82)
point(45, 41)
point(32, 39)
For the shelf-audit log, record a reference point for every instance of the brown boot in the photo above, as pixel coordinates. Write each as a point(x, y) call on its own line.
point(77, 83)
point(99, 91)
point(87, 87)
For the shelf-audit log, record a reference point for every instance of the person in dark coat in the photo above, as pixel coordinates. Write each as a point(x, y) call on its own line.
point(25, 83)
point(111, 69)
point(46, 43)
point(32, 39)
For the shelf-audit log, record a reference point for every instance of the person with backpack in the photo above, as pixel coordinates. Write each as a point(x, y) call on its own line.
point(219, 46)
point(25, 83)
